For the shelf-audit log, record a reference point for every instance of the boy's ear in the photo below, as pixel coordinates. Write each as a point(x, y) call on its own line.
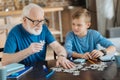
point(88, 24)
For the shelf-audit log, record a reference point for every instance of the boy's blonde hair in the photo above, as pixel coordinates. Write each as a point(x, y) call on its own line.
point(82, 12)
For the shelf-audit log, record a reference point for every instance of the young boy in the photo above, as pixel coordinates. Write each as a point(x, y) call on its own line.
point(82, 42)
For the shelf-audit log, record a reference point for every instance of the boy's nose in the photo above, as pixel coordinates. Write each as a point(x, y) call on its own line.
point(75, 27)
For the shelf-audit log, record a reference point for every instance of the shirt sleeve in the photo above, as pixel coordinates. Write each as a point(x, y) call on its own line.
point(102, 40)
point(10, 45)
point(68, 44)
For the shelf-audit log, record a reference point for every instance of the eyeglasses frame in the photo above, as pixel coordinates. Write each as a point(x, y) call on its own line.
point(34, 20)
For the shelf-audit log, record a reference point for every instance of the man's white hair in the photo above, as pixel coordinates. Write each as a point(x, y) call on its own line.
point(26, 9)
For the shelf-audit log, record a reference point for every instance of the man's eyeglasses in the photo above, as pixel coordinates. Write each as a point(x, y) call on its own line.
point(36, 22)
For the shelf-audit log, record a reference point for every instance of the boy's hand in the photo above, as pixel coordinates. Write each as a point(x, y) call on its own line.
point(96, 53)
point(87, 56)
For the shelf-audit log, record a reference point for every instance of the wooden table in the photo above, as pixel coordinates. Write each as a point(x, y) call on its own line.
point(110, 73)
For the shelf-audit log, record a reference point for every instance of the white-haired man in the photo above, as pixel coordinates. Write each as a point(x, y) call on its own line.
point(27, 42)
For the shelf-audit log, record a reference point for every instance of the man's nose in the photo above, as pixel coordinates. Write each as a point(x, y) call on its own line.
point(38, 25)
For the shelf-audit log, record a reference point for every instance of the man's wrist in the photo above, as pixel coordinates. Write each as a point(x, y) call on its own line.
point(61, 55)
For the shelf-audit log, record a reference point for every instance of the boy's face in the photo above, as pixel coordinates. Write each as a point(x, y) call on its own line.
point(80, 26)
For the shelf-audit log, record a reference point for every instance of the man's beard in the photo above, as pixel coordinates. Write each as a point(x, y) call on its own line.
point(33, 30)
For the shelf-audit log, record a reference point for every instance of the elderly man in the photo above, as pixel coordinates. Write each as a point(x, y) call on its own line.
point(30, 39)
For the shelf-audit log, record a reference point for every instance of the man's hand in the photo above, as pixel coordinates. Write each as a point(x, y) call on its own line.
point(96, 54)
point(64, 62)
point(86, 56)
point(35, 47)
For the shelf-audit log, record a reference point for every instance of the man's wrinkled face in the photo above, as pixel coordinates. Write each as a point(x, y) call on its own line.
point(35, 21)
point(36, 30)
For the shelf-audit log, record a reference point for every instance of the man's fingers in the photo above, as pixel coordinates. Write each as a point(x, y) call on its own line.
point(70, 65)
point(65, 63)
point(57, 64)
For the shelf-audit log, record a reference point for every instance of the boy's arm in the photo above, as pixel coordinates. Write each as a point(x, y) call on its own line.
point(110, 49)
point(99, 53)
point(78, 55)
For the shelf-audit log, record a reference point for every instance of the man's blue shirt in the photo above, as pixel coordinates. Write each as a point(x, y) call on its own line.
point(19, 39)
point(74, 43)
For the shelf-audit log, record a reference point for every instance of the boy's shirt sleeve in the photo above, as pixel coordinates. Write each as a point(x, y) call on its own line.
point(68, 44)
point(102, 40)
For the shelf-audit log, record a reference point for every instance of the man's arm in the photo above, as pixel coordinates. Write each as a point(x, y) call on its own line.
point(62, 55)
point(14, 58)
point(18, 56)
point(59, 50)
